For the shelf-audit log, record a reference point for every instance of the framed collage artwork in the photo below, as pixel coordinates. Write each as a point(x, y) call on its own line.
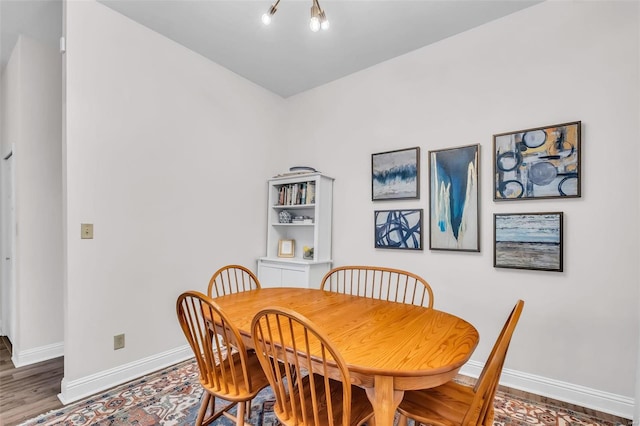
point(543, 162)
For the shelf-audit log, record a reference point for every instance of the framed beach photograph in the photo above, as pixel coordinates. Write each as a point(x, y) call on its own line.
point(286, 248)
point(543, 162)
point(398, 229)
point(453, 199)
point(528, 241)
point(395, 174)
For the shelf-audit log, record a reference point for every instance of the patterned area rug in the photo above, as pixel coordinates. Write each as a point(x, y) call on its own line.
point(172, 397)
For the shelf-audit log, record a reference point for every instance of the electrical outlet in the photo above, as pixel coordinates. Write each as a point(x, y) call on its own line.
point(118, 342)
point(86, 231)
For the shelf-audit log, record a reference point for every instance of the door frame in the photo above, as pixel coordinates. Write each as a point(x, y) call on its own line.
point(8, 244)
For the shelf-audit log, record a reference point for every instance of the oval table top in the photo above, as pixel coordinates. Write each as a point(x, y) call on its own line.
point(389, 347)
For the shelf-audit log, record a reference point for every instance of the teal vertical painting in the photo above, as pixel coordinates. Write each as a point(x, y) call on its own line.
point(453, 198)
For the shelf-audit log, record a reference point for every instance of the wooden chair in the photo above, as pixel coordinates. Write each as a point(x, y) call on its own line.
point(232, 279)
point(306, 395)
point(378, 282)
point(456, 404)
point(227, 370)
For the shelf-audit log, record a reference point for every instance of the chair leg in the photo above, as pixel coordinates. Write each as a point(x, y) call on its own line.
point(240, 414)
point(203, 407)
point(402, 421)
point(247, 409)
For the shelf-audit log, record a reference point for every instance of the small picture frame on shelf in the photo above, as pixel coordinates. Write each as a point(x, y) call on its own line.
point(286, 248)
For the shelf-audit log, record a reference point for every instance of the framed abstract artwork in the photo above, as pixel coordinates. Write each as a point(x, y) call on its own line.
point(453, 199)
point(528, 241)
point(543, 162)
point(398, 229)
point(395, 174)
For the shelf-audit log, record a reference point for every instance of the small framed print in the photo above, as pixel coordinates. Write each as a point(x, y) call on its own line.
point(398, 229)
point(528, 241)
point(395, 174)
point(286, 248)
point(543, 162)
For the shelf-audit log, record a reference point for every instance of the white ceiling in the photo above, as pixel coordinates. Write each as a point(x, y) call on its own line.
point(285, 57)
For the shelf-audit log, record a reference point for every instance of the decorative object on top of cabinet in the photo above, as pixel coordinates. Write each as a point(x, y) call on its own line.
point(453, 199)
point(398, 229)
point(528, 241)
point(395, 174)
point(543, 162)
point(297, 170)
point(308, 198)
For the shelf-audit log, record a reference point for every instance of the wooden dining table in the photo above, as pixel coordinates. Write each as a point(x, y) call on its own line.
point(389, 347)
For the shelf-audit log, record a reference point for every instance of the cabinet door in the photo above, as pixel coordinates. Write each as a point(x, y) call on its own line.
point(295, 278)
point(269, 276)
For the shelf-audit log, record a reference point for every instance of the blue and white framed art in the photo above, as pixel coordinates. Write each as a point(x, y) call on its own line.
point(395, 174)
point(398, 229)
point(453, 199)
point(528, 241)
point(543, 162)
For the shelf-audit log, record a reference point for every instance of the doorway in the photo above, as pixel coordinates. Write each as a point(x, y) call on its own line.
point(7, 277)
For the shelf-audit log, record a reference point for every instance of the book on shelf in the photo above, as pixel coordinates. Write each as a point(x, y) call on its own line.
point(311, 193)
point(295, 194)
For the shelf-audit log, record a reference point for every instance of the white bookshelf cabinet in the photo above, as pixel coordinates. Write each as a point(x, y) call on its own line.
point(308, 198)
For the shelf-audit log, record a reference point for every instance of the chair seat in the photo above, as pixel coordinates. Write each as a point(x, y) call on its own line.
point(445, 405)
point(456, 404)
point(361, 408)
point(232, 387)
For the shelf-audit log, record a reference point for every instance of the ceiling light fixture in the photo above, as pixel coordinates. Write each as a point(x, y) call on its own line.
point(266, 18)
point(318, 18)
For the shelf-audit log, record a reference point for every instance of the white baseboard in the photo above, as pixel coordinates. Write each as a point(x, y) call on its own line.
point(605, 402)
point(74, 390)
point(32, 356)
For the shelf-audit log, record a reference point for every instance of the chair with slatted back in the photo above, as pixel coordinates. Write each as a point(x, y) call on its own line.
point(378, 282)
point(227, 370)
point(319, 394)
point(457, 404)
point(232, 279)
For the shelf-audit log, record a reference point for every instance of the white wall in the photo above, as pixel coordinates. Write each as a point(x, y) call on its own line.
point(32, 125)
point(167, 154)
point(551, 63)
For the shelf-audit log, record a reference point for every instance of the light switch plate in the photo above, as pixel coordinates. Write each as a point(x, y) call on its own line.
point(86, 231)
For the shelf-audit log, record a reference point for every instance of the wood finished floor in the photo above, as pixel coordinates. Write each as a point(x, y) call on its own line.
point(28, 391)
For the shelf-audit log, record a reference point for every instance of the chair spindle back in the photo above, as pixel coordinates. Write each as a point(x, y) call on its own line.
point(232, 279)
point(389, 284)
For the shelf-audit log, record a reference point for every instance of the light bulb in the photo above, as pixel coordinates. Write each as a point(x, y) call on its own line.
point(324, 25)
point(266, 18)
point(314, 24)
